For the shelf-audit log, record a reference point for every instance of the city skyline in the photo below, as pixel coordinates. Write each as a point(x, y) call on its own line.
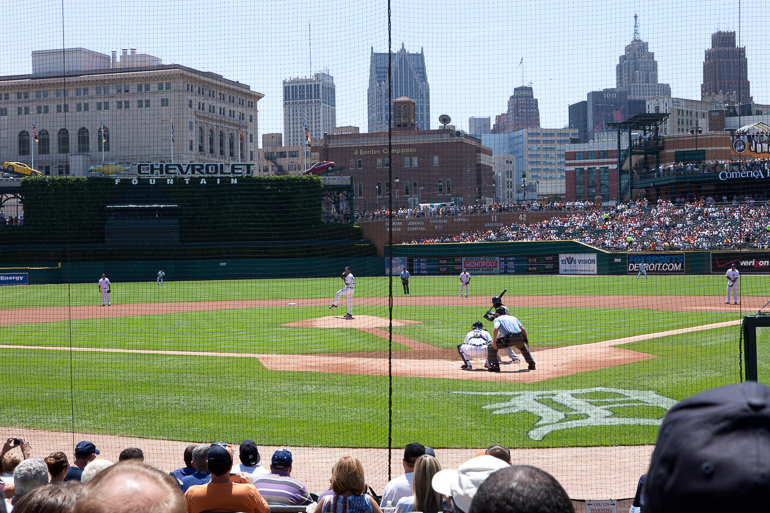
point(471, 52)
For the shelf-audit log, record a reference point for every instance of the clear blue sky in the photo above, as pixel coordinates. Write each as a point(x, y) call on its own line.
point(472, 49)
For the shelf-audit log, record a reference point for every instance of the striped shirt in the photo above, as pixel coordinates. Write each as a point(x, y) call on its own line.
point(278, 487)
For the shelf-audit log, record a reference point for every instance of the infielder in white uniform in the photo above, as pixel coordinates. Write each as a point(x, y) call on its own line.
point(161, 274)
point(642, 270)
point(350, 283)
point(465, 279)
point(104, 288)
point(732, 276)
point(475, 345)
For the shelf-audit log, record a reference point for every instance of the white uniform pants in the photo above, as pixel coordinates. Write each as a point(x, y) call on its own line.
point(349, 292)
point(105, 296)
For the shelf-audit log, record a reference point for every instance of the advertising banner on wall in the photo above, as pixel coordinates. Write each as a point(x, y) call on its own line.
point(657, 263)
point(14, 278)
point(577, 263)
point(481, 265)
point(750, 262)
point(398, 264)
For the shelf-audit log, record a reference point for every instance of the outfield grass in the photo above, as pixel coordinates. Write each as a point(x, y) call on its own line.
point(155, 396)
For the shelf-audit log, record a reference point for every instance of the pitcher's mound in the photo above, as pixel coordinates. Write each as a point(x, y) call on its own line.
point(358, 322)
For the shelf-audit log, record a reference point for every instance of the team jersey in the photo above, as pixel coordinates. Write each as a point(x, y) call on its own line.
point(350, 281)
point(732, 275)
point(465, 277)
point(104, 283)
point(478, 337)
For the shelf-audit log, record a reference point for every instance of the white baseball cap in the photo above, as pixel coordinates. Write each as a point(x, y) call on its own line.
point(463, 483)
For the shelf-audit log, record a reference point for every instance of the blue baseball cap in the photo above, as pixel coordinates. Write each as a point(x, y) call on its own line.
point(220, 452)
point(86, 448)
point(282, 459)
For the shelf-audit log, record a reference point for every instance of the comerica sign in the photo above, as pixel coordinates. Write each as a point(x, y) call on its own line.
point(194, 169)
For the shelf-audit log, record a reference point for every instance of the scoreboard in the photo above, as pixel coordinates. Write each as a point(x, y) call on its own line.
point(534, 264)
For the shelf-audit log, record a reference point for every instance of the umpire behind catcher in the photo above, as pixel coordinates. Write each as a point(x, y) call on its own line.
point(508, 332)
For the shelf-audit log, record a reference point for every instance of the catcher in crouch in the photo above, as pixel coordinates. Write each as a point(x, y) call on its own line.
point(508, 332)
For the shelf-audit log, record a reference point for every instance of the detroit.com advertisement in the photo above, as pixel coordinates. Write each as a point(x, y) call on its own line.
point(657, 263)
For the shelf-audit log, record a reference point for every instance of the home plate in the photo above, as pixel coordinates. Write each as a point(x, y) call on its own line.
point(292, 304)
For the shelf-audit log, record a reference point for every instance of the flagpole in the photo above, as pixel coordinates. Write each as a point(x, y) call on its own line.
point(102, 137)
point(240, 136)
point(32, 142)
point(172, 137)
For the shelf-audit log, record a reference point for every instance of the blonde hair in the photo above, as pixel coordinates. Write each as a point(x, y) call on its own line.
point(425, 498)
point(348, 476)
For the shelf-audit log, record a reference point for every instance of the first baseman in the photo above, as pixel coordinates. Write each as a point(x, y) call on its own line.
point(465, 279)
point(475, 345)
point(104, 288)
point(161, 274)
point(732, 276)
point(350, 283)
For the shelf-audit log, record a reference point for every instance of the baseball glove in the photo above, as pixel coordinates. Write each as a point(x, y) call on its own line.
point(109, 290)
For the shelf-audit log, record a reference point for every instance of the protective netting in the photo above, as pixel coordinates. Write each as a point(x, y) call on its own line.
point(220, 172)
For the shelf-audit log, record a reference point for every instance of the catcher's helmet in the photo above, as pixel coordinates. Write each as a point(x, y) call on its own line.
point(496, 301)
point(478, 325)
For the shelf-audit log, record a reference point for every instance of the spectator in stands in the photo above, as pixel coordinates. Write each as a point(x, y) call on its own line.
point(279, 487)
point(30, 474)
point(188, 469)
point(58, 465)
point(349, 490)
point(460, 486)
point(521, 488)
point(249, 455)
point(131, 487)
point(131, 453)
point(51, 498)
point(85, 452)
point(93, 468)
point(200, 464)
point(10, 460)
point(424, 497)
point(401, 486)
point(221, 493)
point(498, 451)
point(712, 453)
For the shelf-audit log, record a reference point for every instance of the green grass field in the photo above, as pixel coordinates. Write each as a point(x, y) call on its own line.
point(153, 396)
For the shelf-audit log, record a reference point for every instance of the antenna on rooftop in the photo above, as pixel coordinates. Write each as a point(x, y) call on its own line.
point(636, 28)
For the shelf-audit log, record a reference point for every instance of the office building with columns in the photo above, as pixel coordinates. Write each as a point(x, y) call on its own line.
point(214, 119)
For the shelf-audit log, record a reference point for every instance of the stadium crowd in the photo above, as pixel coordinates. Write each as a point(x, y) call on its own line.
point(643, 172)
point(639, 226)
point(711, 434)
point(451, 210)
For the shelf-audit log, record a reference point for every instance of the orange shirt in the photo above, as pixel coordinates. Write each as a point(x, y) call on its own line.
point(224, 497)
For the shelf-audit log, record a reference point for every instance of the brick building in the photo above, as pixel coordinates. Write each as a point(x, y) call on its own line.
point(428, 166)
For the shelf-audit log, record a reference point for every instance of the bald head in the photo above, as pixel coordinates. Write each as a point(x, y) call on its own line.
point(134, 487)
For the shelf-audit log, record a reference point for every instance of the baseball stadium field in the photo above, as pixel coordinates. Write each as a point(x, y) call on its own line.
point(268, 360)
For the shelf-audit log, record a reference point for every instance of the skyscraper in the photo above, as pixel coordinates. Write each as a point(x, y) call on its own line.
point(310, 101)
point(409, 79)
point(523, 112)
point(724, 71)
point(478, 126)
point(637, 71)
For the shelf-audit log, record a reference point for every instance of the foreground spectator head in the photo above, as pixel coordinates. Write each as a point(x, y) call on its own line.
point(249, 453)
point(85, 450)
point(462, 484)
point(348, 476)
point(92, 469)
point(220, 458)
point(51, 498)
point(131, 487)
point(425, 497)
point(30, 474)
point(713, 453)
point(131, 453)
point(58, 465)
point(10, 461)
point(521, 488)
point(411, 453)
point(498, 451)
point(188, 455)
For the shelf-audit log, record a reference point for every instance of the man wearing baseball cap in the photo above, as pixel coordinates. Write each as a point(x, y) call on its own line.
point(461, 485)
point(401, 486)
point(249, 455)
point(85, 452)
point(224, 493)
point(712, 453)
point(279, 487)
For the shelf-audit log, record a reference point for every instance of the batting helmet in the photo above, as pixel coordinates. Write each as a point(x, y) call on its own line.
point(496, 302)
point(478, 325)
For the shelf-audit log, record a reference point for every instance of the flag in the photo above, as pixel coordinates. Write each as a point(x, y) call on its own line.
point(34, 132)
point(172, 130)
point(240, 132)
point(104, 136)
point(521, 62)
point(307, 132)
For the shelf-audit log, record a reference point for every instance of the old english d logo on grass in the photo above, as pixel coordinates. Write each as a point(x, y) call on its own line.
point(593, 405)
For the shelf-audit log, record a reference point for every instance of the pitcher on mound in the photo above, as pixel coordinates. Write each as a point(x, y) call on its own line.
point(350, 283)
